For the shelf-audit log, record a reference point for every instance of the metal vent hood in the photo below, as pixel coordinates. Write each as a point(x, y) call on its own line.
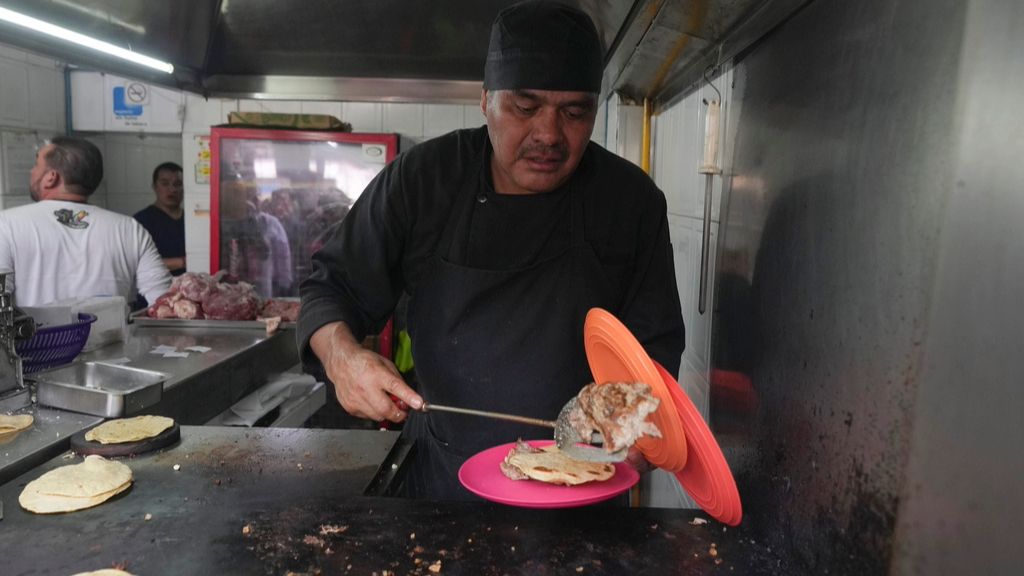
point(383, 50)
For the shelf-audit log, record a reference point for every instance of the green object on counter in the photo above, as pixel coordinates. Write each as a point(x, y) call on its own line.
point(403, 353)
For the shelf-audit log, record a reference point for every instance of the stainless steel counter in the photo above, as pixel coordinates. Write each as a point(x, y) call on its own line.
point(201, 385)
point(205, 383)
point(49, 435)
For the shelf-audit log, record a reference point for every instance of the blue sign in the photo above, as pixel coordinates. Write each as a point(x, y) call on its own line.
point(122, 107)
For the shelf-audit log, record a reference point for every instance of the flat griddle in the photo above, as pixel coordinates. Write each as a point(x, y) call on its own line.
point(84, 447)
point(270, 501)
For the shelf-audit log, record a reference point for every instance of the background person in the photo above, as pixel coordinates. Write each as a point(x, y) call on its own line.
point(63, 247)
point(253, 244)
point(164, 219)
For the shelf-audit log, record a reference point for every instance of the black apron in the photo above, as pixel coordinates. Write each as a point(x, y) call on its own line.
point(499, 340)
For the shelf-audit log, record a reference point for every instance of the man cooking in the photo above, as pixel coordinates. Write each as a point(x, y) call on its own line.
point(504, 237)
point(63, 247)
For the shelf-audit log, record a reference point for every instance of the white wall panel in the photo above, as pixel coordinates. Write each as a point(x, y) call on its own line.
point(87, 102)
point(406, 120)
point(46, 96)
point(128, 163)
point(14, 109)
point(11, 53)
point(99, 196)
point(472, 116)
point(440, 119)
point(17, 156)
point(201, 113)
point(328, 108)
point(364, 116)
point(114, 156)
point(686, 236)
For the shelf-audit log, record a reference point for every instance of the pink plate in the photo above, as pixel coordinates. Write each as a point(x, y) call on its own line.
point(481, 475)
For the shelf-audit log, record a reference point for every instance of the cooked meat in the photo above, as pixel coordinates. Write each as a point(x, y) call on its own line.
point(617, 410)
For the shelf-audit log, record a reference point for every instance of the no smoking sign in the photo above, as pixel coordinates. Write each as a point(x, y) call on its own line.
point(136, 93)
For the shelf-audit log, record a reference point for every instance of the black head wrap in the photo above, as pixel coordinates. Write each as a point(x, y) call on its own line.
point(543, 45)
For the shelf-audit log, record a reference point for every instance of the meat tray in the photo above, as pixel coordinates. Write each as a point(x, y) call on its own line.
point(141, 319)
point(108, 390)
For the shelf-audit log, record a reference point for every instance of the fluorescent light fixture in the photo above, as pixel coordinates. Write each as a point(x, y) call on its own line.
point(83, 40)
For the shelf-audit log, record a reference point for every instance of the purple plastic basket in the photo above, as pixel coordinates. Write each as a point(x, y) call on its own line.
point(54, 345)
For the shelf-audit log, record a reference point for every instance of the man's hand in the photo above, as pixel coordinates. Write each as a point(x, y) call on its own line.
point(362, 379)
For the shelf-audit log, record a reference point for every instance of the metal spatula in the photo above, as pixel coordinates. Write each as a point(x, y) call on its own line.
point(566, 437)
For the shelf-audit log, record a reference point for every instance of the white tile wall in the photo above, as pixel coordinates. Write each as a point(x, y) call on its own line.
point(364, 116)
point(31, 109)
point(472, 116)
point(328, 108)
point(14, 94)
point(439, 119)
point(201, 113)
point(128, 162)
point(406, 120)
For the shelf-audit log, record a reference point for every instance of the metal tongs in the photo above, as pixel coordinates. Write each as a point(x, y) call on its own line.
point(567, 438)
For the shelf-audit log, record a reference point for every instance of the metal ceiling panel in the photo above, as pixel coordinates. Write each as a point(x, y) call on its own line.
point(357, 38)
point(389, 50)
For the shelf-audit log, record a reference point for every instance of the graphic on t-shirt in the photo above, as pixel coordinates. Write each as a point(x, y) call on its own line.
point(71, 219)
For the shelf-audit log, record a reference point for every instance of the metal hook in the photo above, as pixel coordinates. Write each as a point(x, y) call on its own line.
point(710, 68)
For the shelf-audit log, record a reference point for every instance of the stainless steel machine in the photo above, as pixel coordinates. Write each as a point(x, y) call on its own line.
point(14, 325)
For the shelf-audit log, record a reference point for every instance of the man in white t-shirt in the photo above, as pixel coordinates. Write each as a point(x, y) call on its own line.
point(63, 247)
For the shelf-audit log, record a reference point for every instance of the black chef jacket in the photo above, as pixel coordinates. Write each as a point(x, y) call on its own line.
point(388, 239)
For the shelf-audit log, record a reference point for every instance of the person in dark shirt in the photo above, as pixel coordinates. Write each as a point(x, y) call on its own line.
point(503, 237)
point(164, 219)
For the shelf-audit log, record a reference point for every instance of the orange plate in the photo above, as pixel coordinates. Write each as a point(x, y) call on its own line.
point(615, 356)
point(706, 476)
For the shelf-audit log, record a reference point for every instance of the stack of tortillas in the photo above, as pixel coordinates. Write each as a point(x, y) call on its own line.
point(129, 429)
point(76, 487)
point(11, 426)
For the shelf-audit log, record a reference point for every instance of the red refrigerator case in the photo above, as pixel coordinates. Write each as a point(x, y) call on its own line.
point(276, 194)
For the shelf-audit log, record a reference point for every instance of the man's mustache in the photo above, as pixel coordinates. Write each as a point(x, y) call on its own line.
point(561, 152)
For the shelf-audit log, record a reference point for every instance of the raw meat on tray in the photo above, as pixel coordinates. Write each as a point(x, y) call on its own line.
point(197, 296)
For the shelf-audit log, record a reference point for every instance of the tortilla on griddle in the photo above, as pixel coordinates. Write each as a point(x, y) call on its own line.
point(76, 487)
point(549, 464)
point(129, 429)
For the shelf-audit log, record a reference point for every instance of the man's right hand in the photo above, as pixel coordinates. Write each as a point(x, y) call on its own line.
point(362, 379)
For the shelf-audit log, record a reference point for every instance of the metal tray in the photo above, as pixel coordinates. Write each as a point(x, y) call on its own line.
point(109, 390)
point(141, 319)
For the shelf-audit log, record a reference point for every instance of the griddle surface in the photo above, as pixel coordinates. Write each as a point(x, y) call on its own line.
point(277, 501)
